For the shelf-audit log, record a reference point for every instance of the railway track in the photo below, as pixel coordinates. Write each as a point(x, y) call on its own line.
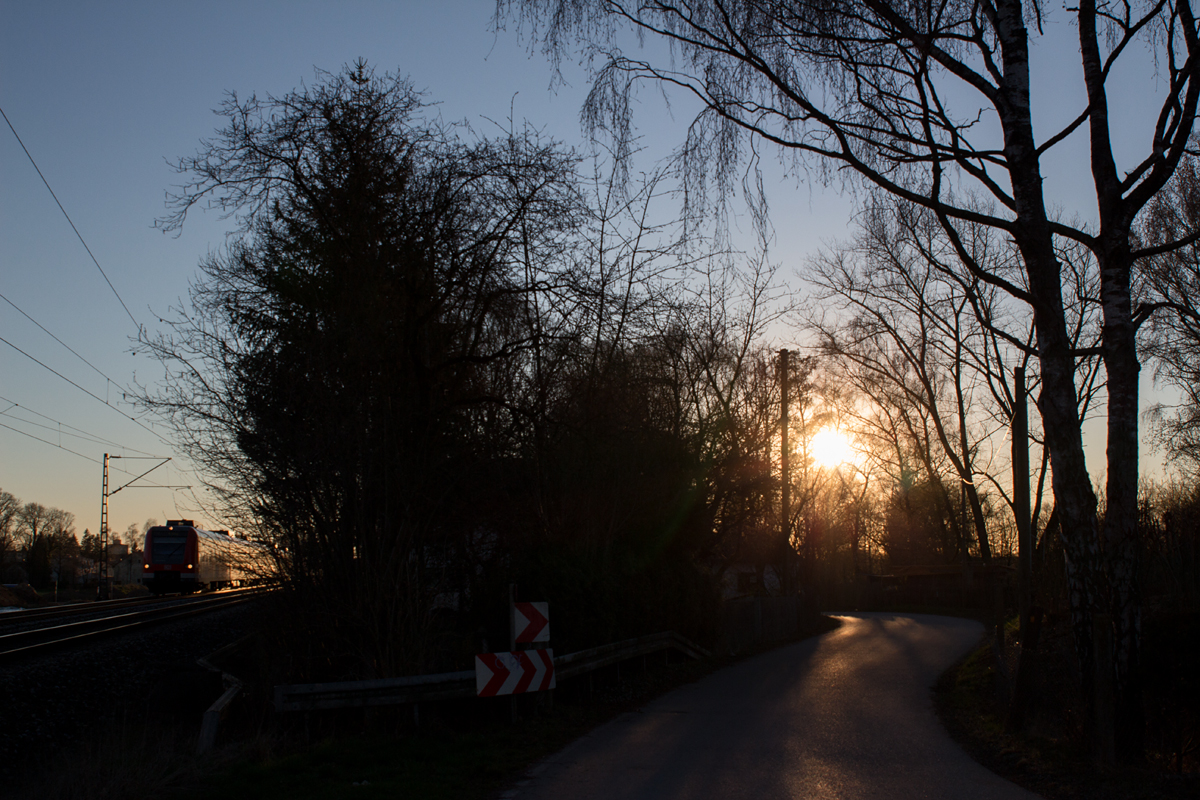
point(23, 617)
point(115, 617)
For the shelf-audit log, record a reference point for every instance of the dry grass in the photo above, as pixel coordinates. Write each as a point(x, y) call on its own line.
point(457, 752)
point(1049, 756)
point(127, 760)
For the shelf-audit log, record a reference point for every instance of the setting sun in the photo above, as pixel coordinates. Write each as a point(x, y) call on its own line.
point(830, 448)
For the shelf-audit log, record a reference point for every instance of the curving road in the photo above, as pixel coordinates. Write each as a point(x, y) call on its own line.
point(844, 715)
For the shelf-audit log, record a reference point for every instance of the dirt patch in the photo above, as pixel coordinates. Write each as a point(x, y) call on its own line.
point(22, 595)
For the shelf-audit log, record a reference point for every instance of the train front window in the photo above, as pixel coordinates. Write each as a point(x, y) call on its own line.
point(167, 549)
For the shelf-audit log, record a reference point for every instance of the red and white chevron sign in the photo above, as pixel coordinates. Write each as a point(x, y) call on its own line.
point(531, 622)
point(514, 673)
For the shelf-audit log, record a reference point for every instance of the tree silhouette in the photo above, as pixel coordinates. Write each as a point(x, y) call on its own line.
point(932, 103)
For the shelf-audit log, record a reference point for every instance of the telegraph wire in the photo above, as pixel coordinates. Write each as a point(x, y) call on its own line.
point(69, 221)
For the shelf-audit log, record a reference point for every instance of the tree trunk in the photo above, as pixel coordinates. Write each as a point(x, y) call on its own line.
point(1120, 518)
point(1075, 500)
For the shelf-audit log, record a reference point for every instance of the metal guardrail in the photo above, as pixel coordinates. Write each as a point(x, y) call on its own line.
point(233, 685)
point(381, 692)
point(446, 685)
point(585, 661)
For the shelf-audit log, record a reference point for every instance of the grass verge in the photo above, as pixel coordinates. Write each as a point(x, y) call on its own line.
point(1049, 765)
point(454, 753)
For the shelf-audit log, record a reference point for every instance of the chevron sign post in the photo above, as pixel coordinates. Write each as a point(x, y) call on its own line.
point(514, 673)
point(531, 622)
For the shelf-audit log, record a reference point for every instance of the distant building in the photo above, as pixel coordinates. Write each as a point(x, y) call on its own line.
point(124, 566)
point(744, 580)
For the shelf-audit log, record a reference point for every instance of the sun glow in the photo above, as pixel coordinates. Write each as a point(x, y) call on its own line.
point(831, 448)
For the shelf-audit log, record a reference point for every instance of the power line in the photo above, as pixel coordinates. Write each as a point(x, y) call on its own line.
point(134, 420)
point(60, 341)
point(72, 224)
point(84, 435)
point(56, 372)
point(80, 434)
point(52, 444)
point(81, 455)
point(95, 437)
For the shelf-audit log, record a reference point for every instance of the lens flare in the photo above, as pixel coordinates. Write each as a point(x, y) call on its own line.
point(831, 448)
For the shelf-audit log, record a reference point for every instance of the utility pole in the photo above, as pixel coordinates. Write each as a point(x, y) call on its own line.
point(1020, 459)
point(1031, 615)
point(103, 589)
point(785, 506)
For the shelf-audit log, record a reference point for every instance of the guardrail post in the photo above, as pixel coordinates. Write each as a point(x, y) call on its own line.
point(212, 716)
point(512, 640)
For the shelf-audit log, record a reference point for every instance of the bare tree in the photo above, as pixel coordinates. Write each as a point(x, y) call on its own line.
point(1172, 281)
point(34, 521)
point(912, 337)
point(133, 537)
point(895, 95)
point(931, 346)
point(9, 509)
point(63, 548)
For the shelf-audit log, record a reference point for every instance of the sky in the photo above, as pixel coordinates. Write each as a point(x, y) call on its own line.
point(104, 96)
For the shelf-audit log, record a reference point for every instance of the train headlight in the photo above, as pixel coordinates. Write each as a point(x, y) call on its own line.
point(145, 566)
point(189, 566)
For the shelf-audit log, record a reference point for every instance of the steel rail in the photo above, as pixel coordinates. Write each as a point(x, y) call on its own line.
point(12, 618)
point(24, 643)
point(68, 609)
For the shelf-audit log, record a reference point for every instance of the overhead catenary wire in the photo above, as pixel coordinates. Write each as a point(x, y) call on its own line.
point(91, 394)
point(97, 370)
point(81, 435)
point(29, 155)
point(111, 286)
point(71, 430)
point(100, 439)
point(60, 341)
point(52, 444)
point(90, 459)
point(116, 294)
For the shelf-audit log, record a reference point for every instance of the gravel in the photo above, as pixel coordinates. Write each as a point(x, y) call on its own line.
point(51, 702)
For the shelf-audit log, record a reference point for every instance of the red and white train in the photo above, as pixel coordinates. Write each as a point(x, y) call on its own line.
point(181, 558)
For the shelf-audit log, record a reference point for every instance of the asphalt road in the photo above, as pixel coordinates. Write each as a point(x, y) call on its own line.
point(845, 715)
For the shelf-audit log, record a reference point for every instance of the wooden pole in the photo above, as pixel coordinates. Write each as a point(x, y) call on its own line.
point(1031, 615)
point(785, 505)
point(1020, 458)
